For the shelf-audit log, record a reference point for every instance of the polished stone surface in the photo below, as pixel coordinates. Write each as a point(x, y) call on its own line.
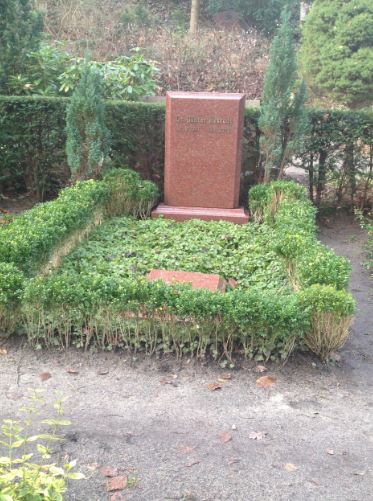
point(237, 216)
point(197, 280)
point(204, 133)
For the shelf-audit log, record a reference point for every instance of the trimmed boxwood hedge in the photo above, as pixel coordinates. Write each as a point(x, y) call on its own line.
point(29, 240)
point(33, 137)
point(32, 142)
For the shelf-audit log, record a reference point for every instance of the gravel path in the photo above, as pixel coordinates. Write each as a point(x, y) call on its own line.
point(159, 424)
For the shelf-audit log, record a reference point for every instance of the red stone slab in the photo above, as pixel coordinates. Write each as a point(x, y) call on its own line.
point(237, 216)
point(204, 133)
point(197, 280)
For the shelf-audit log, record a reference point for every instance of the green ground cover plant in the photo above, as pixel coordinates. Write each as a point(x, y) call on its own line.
point(99, 294)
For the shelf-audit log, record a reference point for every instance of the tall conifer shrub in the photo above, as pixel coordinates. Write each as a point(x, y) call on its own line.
point(283, 120)
point(87, 143)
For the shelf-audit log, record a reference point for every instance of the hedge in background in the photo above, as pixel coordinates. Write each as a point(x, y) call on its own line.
point(32, 145)
point(32, 140)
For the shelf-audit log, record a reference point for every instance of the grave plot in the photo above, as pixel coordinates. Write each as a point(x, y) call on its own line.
point(283, 289)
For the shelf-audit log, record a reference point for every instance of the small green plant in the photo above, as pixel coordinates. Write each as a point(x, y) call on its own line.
point(129, 194)
point(366, 223)
point(11, 286)
point(24, 477)
point(52, 71)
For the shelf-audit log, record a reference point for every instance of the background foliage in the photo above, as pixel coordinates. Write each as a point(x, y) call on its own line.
point(20, 32)
point(337, 50)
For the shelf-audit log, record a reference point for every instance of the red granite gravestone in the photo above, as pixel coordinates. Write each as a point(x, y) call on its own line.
point(203, 157)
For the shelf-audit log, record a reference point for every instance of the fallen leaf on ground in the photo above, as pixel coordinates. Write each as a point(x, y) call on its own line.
point(103, 372)
point(169, 381)
point(234, 461)
point(290, 467)
point(214, 386)
point(72, 371)
point(260, 368)
point(188, 465)
point(109, 471)
point(265, 381)
point(116, 483)
point(3, 351)
point(44, 376)
point(330, 451)
point(257, 435)
point(187, 449)
point(225, 437)
point(314, 481)
point(92, 466)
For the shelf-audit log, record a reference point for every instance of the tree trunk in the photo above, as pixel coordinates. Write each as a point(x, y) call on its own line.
point(321, 176)
point(310, 177)
point(351, 171)
point(368, 180)
point(194, 15)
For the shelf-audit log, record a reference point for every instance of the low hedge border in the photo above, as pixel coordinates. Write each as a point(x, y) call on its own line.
point(320, 276)
point(138, 314)
point(35, 241)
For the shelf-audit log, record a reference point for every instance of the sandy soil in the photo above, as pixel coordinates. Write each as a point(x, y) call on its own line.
point(159, 424)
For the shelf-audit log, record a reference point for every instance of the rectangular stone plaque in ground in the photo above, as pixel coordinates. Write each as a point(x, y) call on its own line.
point(203, 156)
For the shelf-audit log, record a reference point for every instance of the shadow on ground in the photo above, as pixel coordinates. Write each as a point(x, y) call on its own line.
point(159, 424)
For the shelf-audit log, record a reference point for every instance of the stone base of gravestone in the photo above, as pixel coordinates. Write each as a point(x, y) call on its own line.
point(237, 216)
point(204, 134)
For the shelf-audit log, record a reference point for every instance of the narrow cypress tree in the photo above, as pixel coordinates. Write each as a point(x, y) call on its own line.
point(20, 32)
point(283, 119)
point(88, 142)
